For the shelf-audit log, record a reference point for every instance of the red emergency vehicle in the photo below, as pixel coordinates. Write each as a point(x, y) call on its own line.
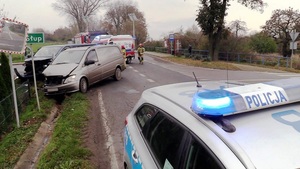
point(87, 37)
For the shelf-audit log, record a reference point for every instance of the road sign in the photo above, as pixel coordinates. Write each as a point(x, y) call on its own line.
point(294, 35)
point(293, 45)
point(35, 38)
point(171, 37)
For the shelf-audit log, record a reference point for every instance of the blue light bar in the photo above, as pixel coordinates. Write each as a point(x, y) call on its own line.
point(222, 102)
point(215, 103)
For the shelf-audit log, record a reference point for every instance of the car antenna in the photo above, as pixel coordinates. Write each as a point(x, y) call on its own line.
point(198, 85)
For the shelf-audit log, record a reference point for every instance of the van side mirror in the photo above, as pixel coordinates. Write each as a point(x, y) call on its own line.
point(89, 62)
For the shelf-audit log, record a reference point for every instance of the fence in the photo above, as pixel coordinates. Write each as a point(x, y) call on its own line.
point(7, 110)
point(232, 57)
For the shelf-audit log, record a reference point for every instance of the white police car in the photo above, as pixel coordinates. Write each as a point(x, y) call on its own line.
point(218, 125)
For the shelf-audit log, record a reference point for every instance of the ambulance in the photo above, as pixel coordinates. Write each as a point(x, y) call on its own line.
point(128, 42)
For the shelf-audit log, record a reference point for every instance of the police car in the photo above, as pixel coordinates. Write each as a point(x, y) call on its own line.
point(215, 125)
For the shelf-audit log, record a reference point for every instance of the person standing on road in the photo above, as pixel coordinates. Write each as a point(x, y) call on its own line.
point(190, 50)
point(124, 54)
point(141, 51)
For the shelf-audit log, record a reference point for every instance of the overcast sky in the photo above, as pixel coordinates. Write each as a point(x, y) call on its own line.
point(162, 16)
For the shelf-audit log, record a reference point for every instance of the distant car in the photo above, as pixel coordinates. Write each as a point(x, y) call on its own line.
point(216, 125)
point(77, 68)
point(42, 58)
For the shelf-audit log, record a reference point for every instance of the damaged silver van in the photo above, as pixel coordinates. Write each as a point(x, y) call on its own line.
point(77, 68)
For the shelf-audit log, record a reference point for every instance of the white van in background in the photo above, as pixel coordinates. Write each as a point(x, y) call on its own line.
point(128, 42)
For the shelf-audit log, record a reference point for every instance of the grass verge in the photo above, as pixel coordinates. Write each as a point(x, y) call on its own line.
point(65, 149)
point(15, 143)
point(222, 65)
point(199, 63)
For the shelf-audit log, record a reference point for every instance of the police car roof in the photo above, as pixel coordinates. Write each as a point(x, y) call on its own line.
point(269, 136)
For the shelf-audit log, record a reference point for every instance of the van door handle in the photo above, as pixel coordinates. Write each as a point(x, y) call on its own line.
point(134, 157)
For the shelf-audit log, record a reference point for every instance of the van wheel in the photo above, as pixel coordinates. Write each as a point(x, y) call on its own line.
point(83, 85)
point(118, 75)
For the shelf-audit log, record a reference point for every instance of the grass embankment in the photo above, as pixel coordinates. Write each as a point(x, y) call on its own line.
point(199, 63)
point(15, 143)
point(223, 65)
point(65, 149)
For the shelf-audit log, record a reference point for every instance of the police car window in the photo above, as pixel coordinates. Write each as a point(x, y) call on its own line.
point(144, 114)
point(92, 56)
point(199, 156)
point(165, 137)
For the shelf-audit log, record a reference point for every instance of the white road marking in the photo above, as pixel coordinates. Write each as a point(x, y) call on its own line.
point(109, 143)
point(142, 75)
point(291, 75)
point(150, 80)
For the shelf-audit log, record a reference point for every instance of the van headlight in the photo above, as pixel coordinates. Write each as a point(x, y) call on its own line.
point(70, 79)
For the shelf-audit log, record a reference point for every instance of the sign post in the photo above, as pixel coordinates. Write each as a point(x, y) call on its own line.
point(35, 38)
point(293, 36)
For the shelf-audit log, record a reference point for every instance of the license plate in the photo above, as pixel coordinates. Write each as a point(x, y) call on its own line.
point(52, 90)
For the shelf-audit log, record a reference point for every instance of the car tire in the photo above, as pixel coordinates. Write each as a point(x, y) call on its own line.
point(83, 85)
point(118, 75)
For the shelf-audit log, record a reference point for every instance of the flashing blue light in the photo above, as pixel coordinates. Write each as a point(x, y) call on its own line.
point(213, 103)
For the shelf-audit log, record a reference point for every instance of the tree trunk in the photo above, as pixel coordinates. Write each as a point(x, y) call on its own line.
point(214, 42)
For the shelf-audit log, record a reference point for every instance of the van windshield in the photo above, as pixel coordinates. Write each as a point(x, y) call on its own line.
point(69, 56)
point(47, 51)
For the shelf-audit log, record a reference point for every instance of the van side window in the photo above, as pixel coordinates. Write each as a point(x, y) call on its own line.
point(199, 156)
point(164, 137)
point(92, 56)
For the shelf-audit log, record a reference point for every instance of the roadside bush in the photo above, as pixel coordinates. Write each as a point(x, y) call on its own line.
point(262, 43)
point(5, 90)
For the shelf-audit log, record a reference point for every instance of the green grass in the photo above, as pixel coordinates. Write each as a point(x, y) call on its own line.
point(65, 149)
point(222, 65)
point(199, 63)
point(15, 143)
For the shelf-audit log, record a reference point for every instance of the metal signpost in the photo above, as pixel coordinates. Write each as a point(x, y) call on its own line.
point(293, 45)
point(35, 38)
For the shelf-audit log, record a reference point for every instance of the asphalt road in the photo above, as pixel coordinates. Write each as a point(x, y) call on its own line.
point(111, 101)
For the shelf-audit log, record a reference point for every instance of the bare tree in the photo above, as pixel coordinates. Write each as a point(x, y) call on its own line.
point(79, 10)
point(117, 20)
point(281, 23)
point(238, 26)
